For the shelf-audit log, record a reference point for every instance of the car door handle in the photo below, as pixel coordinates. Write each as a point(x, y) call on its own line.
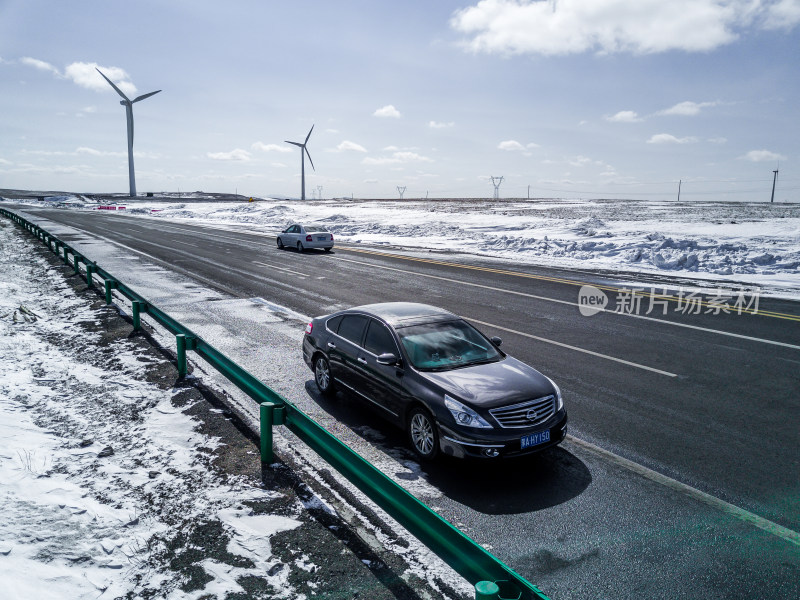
point(331, 345)
point(363, 361)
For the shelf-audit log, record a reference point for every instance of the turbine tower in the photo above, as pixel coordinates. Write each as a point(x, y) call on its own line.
point(303, 153)
point(128, 104)
point(496, 181)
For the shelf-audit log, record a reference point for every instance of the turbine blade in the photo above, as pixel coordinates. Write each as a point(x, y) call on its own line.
point(119, 91)
point(298, 144)
point(143, 96)
point(308, 136)
point(309, 158)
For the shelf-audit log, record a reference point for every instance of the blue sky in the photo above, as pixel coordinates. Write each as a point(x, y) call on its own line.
point(574, 98)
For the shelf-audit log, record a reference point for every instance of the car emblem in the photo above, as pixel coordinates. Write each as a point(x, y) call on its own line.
point(531, 415)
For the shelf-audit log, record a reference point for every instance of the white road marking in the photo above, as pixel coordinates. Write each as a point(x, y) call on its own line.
point(271, 266)
point(567, 302)
point(769, 526)
point(576, 348)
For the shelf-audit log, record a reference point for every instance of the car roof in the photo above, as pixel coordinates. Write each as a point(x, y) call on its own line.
point(404, 314)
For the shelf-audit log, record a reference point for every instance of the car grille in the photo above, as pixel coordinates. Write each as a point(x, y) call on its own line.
point(525, 414)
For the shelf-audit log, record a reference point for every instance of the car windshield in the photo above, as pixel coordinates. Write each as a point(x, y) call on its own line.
point(445, 346)
point(315, 229)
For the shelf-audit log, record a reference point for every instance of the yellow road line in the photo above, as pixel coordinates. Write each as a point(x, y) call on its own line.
point(642, 293)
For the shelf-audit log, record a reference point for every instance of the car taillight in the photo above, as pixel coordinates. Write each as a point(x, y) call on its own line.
point(309, 328)
point(331, 237)
point(308, 238)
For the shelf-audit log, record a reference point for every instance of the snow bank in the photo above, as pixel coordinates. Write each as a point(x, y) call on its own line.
point(748, 243)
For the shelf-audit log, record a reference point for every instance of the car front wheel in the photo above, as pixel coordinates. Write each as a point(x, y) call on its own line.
point(280, 244)
point(422, 434)
point(322, 376)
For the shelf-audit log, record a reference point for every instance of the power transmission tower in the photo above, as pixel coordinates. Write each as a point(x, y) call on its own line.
point(774, 179)
point(496, 181)
point(401, 191)
point(319, 189)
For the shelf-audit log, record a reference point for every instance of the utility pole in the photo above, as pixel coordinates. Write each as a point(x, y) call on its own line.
point(319, 189)
point(680, 181)
point(774, 179)
point(401, 191)
point(529, 191)
point(496, 181)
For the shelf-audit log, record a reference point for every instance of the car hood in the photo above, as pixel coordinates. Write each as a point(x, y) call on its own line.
point(507, 381)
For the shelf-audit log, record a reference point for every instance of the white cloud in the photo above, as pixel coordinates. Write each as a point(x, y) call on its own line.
point(515, 146)
point(3, 161)
point(237, 154)
point(510, 145)
point(387, 111)
point(784, 14)
point(39, 64)
point(666, 138)
point(557, 27)
point(718, 140)
point(625, 116)
point(396, 158)
point(763, 156)
point(270, 147)
point(439, 125)
point(86, 75)
point(348, 145)
point(688, 109)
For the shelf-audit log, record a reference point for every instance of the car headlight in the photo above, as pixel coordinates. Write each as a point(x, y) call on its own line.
point(464, 415)
point(559, 399)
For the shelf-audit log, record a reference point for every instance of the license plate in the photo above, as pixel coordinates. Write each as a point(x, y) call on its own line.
point(322, 238)
point(535, 439)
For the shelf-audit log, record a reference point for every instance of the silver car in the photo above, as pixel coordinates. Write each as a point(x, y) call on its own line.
point(304, 237)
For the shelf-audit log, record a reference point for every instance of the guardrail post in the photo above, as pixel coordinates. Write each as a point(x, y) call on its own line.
point(180, 340)
point(90, 268)
point(137, 320)
point(487, 590)
point(78, 258)
point(267, 413)
point(110, 285)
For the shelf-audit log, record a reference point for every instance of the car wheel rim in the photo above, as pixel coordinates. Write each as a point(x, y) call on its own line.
point(323, 375)
point(422, 434)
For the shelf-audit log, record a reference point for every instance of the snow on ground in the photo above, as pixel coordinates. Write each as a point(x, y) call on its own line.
point(752, 244)
point(100, 470)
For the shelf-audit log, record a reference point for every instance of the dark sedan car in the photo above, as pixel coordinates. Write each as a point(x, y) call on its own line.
point(430, 372)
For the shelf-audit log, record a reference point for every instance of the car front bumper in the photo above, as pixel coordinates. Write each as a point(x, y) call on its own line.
point(500, 443)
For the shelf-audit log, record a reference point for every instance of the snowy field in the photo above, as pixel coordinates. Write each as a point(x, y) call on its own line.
point(101, 471)
point(749, 244)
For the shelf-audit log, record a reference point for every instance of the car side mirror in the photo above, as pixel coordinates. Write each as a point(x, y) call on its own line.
point(496, 341)
point(387, 359)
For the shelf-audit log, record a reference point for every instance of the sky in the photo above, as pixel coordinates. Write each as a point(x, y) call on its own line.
point(562, 99)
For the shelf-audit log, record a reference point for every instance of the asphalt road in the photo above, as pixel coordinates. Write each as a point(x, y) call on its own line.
point(681, 474)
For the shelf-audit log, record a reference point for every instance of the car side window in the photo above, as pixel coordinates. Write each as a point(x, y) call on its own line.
point(333, 324)
point(294, 229)
point(352, 328)
point(379, 340)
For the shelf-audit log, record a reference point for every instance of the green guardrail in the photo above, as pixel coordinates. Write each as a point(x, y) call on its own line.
point(493, 579)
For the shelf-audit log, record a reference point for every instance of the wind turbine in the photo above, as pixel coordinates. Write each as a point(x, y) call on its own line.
point(128, 104)
point(303, 152)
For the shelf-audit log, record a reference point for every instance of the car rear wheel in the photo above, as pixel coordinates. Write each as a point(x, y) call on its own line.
point(280, 244)
point(422, 434)
point(322, 376)
point(300, 246)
